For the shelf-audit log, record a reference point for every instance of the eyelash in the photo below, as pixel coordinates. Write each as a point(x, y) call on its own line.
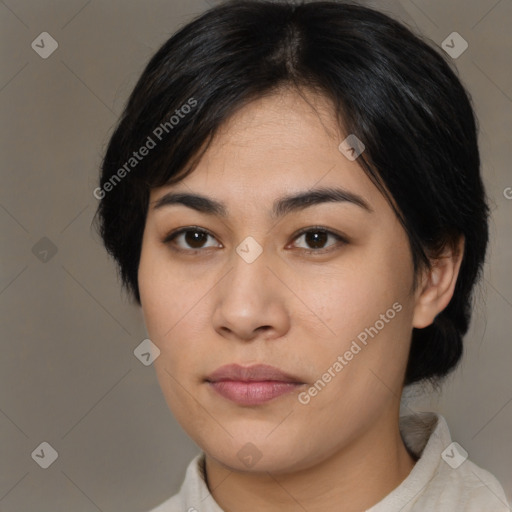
point(170, 237)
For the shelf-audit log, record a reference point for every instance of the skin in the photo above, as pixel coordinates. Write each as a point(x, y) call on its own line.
point(290, 309)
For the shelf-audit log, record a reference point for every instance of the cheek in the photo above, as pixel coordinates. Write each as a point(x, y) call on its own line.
point(353, 299)
point(368, 309)
point(172, 305)
point(162, 292)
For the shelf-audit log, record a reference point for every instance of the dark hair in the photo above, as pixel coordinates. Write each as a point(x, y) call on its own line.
point(388, 86)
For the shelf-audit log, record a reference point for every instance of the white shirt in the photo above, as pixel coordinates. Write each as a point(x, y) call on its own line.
point(442, 480)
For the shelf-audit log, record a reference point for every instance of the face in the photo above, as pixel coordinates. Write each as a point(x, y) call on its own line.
point(320, 290)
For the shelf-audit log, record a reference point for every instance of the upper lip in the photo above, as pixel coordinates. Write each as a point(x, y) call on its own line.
point(257, 372)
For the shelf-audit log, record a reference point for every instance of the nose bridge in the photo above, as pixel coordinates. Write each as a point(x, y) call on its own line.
point(249, 271)
point(249, 297)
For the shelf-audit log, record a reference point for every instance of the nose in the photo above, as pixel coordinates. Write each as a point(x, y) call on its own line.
point(250, 302)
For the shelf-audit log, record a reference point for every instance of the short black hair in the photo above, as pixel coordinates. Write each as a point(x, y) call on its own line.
point(390, 87)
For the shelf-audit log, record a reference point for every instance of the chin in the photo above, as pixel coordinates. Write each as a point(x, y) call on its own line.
point(255, 455)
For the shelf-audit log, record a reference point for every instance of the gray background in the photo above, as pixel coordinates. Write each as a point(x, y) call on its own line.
point(68, 375)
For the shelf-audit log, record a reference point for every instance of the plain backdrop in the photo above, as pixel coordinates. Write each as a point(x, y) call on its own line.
point(68, 374)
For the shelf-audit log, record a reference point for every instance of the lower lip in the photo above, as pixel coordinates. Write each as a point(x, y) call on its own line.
point(253, 393)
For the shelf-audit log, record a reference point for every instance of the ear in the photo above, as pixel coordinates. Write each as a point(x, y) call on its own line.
point(438, 284)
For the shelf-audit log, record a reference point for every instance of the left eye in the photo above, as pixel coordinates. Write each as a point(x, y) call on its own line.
point(317, 238)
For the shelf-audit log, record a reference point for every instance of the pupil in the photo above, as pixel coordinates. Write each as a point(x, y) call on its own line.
point(198, 237)
point(316, 239)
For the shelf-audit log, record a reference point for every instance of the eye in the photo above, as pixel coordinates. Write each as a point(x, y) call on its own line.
point(316, 238)
point(194, 239)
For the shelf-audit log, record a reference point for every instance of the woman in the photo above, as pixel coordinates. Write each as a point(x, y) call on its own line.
point(293, 196)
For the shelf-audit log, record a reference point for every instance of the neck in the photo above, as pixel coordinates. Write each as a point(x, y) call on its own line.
point(357, 476)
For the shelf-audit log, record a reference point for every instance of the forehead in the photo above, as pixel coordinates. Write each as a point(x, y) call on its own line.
point(283, 143)
point(283, 128)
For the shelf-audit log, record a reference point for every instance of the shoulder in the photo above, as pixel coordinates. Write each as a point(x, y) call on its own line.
point(173, 504)
point(443, 478)
point(189, 488)
point(456, 483)
point(194, 495)
point(467, 488)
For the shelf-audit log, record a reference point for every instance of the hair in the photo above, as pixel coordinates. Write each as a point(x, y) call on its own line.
point(388, 86)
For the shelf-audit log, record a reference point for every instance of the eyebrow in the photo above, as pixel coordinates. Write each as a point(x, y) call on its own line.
point(281, 206)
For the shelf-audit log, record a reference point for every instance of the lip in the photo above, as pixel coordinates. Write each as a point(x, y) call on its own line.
point(252, 385)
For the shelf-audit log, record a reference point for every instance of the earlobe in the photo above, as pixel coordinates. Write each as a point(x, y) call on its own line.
point(438, 285)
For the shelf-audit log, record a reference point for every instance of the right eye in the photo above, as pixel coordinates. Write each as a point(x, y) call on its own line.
point(193, 237)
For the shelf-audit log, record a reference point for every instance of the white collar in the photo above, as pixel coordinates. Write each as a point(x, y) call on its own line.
point(432, 484)
point(426, 435)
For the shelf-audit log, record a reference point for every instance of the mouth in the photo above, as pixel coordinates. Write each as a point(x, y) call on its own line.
point(252, 385)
